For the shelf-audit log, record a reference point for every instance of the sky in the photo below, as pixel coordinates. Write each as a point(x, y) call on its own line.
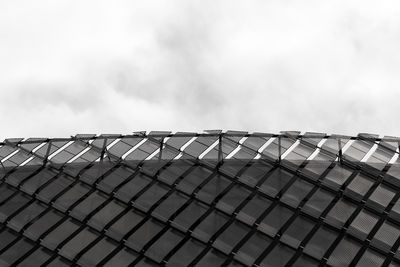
point(69, 67)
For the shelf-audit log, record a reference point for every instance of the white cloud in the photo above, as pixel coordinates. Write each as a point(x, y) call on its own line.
point(98, 66)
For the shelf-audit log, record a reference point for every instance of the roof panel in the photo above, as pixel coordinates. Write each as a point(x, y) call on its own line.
point(102, 200)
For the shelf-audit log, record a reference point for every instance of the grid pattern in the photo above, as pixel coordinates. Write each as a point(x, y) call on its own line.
point(190, 199)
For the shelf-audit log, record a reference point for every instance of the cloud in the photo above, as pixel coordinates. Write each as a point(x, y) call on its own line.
point(175, 65)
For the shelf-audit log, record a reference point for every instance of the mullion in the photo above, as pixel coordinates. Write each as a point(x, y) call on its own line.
point(27, 254)
point(149, 244)
point(129, 207)
point(148, 214)
point(252, 194)
point(343, 233)
point(37, 242)
point(29, 176)
point(276, 238)
point(11, 244)
point(89, 246)
point(297, 212)
point(161, 221)
point(392, 252)
point(12, 215)
point(168, 224)
point(208, 212)
point(374, 230)
point(320, 222)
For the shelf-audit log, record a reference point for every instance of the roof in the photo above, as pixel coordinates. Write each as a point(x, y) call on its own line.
point(213, 198)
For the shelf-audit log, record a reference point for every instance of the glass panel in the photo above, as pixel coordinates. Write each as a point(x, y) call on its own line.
point(124, 145)
point(150, 197)
point(124, 224)
point(6, 237)
point(320, 242)
point(151, 167)
point(77, 243)
point(188, 216)
point(210, 225)
point(275, 220)
point(106, 214)
point(386, 236)
point(144, 150)
point(200, 145)
point(38, 257)
point(317, 166)
point(212, 258)
point(359, 187)
point(15, 252)
point(55, 145)
point(13, 204)
point(21, 174)
point(255, 142)
point(344, 252)
point(371, 258)
point(381, 197)
point(395, 212)
point(297, 231)
point(279, 256)
point(32, 184)
point(66, 200)
point(393, 174)
point(164, 245)
point(340, 213)
point(186, 254)
point(170, 205)
point(98, 252)
point(172, 172)
point(54, 188)
point(296, 192)
point(59, 262)
point(17, 159)
point(26, 215)
point(193, 179)
point(177, 141)
point(337, 177)
point(305, 260)
point(253, 248)
point(115, 178)
point(131, 188)
point(6, 191)
point(253, 174)
point(144, 234)
point(229, 238)
point(253, 209)
point(363, 224)
point(275, 182)
point(59, 234)
point(96, 171)
point(123, 258)
point(318, 202)
point(88, 205)
point(231, 200)
point(41, 225)
point(213, 188)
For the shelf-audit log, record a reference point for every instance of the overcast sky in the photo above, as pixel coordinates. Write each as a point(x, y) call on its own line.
point(70, 67)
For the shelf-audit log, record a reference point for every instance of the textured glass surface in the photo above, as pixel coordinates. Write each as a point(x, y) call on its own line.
point(102, 200)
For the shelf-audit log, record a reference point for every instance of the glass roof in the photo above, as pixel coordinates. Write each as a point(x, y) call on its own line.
point(213, 198)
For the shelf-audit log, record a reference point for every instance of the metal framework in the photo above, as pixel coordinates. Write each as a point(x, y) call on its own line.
point(216, 198)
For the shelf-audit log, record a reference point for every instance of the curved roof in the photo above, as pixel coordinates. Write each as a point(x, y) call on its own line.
point(200, 199)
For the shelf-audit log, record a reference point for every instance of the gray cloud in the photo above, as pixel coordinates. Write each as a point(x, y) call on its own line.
point(259, 65)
